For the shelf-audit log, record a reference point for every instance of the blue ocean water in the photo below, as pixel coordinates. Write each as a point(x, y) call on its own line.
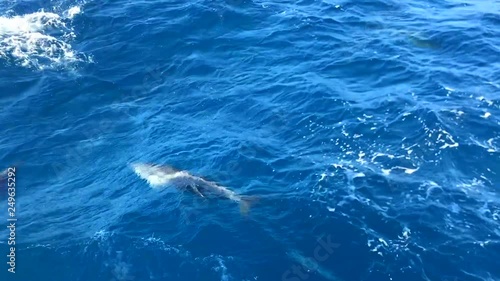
point(370, 131)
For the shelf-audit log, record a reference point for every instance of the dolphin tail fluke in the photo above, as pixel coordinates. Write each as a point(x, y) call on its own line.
point(246, 203)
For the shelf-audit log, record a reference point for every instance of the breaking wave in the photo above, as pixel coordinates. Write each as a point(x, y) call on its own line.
point(40, 40)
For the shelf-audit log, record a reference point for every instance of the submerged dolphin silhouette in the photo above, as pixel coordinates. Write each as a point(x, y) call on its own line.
point(159, 176)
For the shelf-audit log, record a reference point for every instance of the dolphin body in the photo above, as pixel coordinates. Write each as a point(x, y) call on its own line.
point(159, 176)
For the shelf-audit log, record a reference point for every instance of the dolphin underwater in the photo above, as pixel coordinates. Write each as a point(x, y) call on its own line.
point(159, 176)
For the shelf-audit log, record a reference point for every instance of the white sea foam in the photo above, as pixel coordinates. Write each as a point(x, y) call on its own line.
point(72, 12)
point(102, 235)
point(486, 115)
point(446, 145)
point(406, 170)
point(379, 154)
point(449, 142)
point(222, 268)
point(386, 172)
point(383, 242)
point(491, 147)
point(406, 233)
point(483, 99)
point(39, 40)
point(158, 243)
